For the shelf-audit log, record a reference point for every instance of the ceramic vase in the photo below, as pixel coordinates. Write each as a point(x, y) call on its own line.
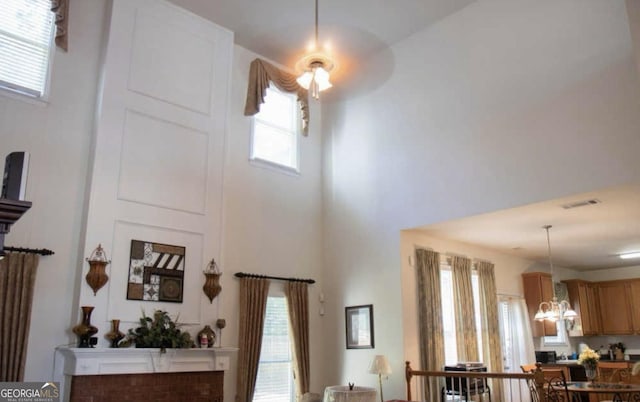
point(114, 336)
point(209, 335)
point(85, 330)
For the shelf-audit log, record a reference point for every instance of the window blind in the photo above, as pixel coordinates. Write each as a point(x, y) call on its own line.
point(275, 381)
point(26, 28)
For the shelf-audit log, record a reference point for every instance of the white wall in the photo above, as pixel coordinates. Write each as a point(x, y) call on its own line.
point(504, 103)
point(271, 221)
point(58, 134)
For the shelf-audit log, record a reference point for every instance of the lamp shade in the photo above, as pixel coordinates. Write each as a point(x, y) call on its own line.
point(380, 365)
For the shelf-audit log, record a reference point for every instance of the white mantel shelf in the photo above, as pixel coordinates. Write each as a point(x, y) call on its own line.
point(98, 361)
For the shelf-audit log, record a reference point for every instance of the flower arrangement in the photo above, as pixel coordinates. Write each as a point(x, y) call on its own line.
point(588, 358)
point(160, 332)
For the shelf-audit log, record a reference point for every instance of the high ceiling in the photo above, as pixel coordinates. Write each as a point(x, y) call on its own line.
point(583, 238)
point(281, 29)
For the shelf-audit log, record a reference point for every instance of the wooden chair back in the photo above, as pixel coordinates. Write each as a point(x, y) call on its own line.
point(556, 384)
point(528, 368)
point(614, 371)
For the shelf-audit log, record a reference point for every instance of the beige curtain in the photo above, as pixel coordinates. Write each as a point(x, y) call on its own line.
point(466, 337)
point(261, 73)
point(17, 279)
point(298, 305)
point(431, 333)
point(253, 306)
point(61, 10)
point(491, 343)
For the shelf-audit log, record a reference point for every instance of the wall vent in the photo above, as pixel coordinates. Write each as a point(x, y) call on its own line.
point(582, 203)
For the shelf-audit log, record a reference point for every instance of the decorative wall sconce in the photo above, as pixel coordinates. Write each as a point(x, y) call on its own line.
point(212, 286)
point(97, 277)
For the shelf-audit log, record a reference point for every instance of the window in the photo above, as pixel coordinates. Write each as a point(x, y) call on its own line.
point(26, 32)
point(449, 317)
point(275, 130)
point(275, 371)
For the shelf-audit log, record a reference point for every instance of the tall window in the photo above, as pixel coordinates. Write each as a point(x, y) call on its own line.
point(275, 131)
point(26, 33)
point(449, 316)
point(275, 371)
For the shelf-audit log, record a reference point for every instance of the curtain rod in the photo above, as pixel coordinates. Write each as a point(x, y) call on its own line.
point(279, 278)
point(41, 251)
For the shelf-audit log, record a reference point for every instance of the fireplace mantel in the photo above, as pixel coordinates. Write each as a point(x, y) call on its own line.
point(97, 361)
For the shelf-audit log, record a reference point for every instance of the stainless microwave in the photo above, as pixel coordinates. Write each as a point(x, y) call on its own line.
point(545, 356)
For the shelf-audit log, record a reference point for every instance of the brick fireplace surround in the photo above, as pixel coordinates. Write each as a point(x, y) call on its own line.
point(115, 375)
point(197, 386)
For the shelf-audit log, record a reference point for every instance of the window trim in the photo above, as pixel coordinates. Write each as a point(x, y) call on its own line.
point(271, 165)
point(18, 92)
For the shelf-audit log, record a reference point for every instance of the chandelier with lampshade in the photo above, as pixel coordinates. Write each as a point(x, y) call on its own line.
point(315, 67)
point(554, 310)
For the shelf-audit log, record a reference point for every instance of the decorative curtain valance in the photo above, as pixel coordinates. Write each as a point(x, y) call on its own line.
point(260, 74)
point(61, 10)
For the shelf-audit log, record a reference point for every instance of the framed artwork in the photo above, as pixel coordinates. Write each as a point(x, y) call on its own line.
point(156, 272)
point(359, 324)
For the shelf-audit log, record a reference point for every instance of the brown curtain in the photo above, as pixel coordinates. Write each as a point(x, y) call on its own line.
point(466, 336)
point(298, 304)
point(431, 333)
point(253, 306)
point(17, 279)
point(261, 73)
point(61, 10)
point(491, 344)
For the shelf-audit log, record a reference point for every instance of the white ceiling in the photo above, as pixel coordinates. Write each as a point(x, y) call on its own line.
point(583, 238)
point(281, 29)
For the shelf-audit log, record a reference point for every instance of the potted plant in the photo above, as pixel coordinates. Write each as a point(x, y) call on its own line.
point(158, 332)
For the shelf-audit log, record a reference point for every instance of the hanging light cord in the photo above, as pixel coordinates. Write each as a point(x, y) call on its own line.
point(316, 44)
point(553, 288)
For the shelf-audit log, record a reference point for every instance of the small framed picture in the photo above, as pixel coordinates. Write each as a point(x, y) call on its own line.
point(359, 323)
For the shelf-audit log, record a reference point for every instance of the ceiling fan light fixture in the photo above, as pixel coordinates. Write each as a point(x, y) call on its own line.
point(314, 68)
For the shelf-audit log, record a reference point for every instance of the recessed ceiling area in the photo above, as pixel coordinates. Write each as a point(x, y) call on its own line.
point(585, 237)
point(281, 29)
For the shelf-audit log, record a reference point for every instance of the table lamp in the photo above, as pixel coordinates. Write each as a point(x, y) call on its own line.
point(380, 366)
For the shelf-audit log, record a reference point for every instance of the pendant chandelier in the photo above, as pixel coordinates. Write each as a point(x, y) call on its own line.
point(315, 67)
point(554, 310)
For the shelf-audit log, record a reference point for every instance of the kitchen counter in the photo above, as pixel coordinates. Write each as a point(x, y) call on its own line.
point(567, 362)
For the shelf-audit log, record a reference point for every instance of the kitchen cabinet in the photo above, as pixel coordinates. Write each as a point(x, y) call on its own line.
point(538, 287)
point(634, 287)
point(615, 298)
point(583, 297)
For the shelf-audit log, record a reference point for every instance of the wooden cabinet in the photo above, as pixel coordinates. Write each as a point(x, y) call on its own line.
point(583, 297)
point(634, 287)
point(615, 307)
point(538, 287)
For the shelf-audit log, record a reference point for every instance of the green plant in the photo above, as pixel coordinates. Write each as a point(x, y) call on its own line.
point(160, 332)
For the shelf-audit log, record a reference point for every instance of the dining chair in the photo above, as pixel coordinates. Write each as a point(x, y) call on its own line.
point(613, 372)
point(555, 383)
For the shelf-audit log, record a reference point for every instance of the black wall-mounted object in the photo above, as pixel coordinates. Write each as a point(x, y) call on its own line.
point(14, 180)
